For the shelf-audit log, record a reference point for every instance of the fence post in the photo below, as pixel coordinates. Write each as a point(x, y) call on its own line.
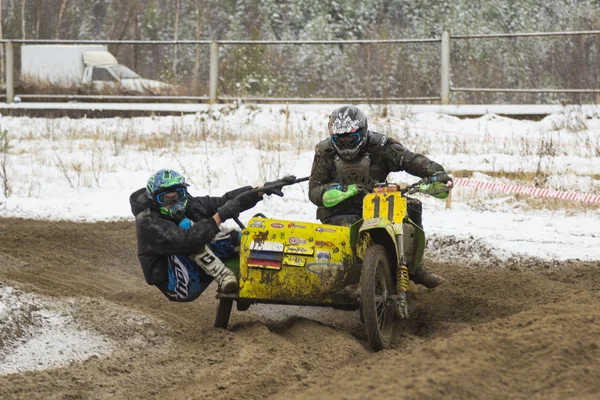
point(287, 118)
point(10, 84)
point(449, 201)
point(214, 72)
point(445, 75)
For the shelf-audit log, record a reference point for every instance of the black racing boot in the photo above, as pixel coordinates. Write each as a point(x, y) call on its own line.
point(427, 279)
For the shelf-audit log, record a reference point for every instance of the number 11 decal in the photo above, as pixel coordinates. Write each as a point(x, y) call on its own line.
point(377, 207)
point(376, 203)
point(390, 200)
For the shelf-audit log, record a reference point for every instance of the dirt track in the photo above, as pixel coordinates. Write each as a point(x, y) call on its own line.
point(486, 333)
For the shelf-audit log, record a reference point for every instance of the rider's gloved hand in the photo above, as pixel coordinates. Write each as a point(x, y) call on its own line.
point(248, 200)
point(441, 177)
point(338, 193)
point(275, 186)
point(231, 209)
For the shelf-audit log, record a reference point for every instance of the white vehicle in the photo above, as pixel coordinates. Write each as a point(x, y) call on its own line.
point(76, 65)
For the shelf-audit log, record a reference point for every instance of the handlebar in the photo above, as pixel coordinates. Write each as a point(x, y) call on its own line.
point(263, 189)
point(403, 187)
point(422, 186)
point(435, 189)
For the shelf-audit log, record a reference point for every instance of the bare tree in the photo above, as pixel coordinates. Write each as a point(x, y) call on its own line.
point(60, 14)
point(23, 19)
point(37, 19)
point(1, 47)
point(137, 36)
point(176, 35)
point(196, 79)
point(4, 148)
point(126, 12)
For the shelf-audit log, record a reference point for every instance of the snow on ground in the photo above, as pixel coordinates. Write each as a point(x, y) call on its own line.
point(39, 333)
point(85, 170)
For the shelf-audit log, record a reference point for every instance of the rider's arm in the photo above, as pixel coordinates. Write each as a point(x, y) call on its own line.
point(321, 176)
point(206, 206)
point(399, 158)
point(164, 237)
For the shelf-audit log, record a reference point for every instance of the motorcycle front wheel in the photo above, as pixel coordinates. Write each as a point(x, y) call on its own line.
point(375, 286)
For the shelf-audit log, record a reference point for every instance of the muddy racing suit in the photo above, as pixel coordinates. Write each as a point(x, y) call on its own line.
point(379, 157)
point(165, 246)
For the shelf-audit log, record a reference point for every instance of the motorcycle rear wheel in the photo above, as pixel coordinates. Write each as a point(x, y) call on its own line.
point(377, 309)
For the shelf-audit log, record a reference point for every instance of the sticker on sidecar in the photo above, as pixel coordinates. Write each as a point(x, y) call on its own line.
point(266, 246)
point(293, 225)
point(277, 225)
point(294, 261)
point(299, 250)
point(321, 229)
point(297, 240)
point(266, 264)
point(323, 256)
point(324, 268)
point(257, 224)
point(320, 243)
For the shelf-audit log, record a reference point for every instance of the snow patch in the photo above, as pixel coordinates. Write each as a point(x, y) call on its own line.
point(38, 334)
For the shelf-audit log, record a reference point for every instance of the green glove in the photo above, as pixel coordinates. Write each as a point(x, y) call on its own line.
point(333, 197)
point(436, 189)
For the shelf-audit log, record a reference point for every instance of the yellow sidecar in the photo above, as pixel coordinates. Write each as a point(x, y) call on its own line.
point(362, 266)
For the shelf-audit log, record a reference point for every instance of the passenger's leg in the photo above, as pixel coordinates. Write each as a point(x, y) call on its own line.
point(214, 267)
point(186, 280)
point(418, 274)
point(415, 211)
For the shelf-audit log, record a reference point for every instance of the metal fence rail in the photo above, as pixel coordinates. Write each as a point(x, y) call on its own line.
point(501, 90)
point(213, 96)
point(519, 35)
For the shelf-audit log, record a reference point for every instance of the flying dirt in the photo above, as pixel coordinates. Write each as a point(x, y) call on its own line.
point(506, 330)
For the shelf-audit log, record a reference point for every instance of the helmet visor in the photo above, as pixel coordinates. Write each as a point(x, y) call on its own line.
point(347, 140)
point(171, 197)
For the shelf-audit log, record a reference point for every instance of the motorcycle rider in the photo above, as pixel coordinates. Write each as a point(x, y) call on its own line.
point(354, 155)
point(176, 234)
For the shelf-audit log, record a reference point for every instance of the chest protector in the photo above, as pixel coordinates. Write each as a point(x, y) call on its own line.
point(354, 171)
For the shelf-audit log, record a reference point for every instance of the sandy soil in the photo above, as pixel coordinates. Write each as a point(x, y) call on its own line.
point(509, 331)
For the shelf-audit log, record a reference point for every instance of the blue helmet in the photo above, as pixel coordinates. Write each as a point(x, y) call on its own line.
point(167, 191)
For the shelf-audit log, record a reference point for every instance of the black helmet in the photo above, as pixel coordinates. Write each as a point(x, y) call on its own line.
point(348, 130)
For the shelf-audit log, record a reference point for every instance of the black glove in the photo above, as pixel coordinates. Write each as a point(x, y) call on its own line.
point(275, 186)
point(248, 200)
point(231, 209)
point(441, 177)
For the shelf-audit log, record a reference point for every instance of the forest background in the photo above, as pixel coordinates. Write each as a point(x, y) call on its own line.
point(340, 70)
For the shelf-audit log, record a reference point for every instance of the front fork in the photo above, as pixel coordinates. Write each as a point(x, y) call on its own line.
point(401, 289)
point(401, 281)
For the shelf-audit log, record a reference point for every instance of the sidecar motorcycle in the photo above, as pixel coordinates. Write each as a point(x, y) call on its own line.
point(359, 267)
